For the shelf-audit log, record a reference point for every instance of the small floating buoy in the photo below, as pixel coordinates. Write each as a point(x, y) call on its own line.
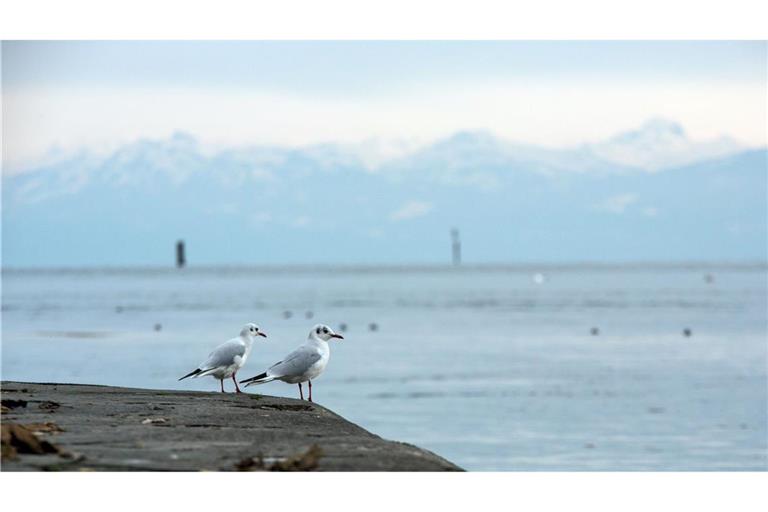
point(709, 278)
point(687, 332)
point(309, 314)
point(287, 314)
point(594, 331)
point(373, 326)
point(158, 327)
point(343, 327)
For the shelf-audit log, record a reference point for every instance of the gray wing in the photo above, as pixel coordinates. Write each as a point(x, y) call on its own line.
point(295, 363)
point(224, 354)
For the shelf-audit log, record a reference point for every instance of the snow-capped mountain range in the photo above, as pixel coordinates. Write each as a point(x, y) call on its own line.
point(650, 193)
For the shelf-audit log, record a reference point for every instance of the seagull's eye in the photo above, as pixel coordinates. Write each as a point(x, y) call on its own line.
point(325, 331)
point(318, 331)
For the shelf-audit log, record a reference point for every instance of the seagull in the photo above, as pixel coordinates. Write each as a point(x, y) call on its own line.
point(228, 357)
point(303, 364)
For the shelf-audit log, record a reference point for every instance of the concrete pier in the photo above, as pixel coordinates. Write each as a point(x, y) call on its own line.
point(101, 428)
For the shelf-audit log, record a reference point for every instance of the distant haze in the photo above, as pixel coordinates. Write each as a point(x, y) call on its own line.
point(63, 97)
point(371, 152)
point(647, 194)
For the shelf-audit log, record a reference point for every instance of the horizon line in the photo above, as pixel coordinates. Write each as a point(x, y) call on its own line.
point(384, 267)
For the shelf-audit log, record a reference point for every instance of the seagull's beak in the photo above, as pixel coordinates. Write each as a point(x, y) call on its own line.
point(262, 334)
point(334, 335)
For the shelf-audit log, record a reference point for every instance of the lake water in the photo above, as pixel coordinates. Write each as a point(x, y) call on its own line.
point(494, 368)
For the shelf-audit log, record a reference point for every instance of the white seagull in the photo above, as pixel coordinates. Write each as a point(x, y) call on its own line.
point(303, 364)
point(228, 357)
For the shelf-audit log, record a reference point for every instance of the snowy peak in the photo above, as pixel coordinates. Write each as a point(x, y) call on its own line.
point(660, 144)
point(176, 158)
point(653, 131)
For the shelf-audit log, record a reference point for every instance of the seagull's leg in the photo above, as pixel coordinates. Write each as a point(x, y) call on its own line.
point(301, 393)
point(222, 385)
point(310, 391)
point(235, 381)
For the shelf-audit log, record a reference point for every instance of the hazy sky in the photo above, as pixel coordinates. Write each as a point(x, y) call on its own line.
point(66, 96)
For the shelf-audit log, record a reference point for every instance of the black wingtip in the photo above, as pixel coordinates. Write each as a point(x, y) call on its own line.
point(191, 374)
point(258, 377)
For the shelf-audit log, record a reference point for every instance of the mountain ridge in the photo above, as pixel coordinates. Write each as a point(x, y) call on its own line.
point(323, 205)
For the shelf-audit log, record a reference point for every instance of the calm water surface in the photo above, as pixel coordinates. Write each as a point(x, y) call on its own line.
point(494, 368)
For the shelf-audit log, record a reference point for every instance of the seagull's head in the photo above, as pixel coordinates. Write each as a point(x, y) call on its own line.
point(324, 333)
point(252, 330)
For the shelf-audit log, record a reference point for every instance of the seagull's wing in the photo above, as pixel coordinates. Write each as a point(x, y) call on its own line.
point(224, 354)
point(295, 363)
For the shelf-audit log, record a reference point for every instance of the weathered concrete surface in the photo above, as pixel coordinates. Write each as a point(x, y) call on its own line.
point(122, 429)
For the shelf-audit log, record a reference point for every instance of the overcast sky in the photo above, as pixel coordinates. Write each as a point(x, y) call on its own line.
point(68, 96)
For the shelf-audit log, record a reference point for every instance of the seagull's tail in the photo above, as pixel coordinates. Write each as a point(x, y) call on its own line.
point(193, 373)
point(259, 379)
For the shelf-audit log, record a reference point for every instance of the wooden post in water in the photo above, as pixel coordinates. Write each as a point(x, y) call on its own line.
point(456, 247)
point(180, 259)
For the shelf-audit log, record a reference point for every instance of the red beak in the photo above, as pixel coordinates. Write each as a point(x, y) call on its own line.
point(337, 336)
